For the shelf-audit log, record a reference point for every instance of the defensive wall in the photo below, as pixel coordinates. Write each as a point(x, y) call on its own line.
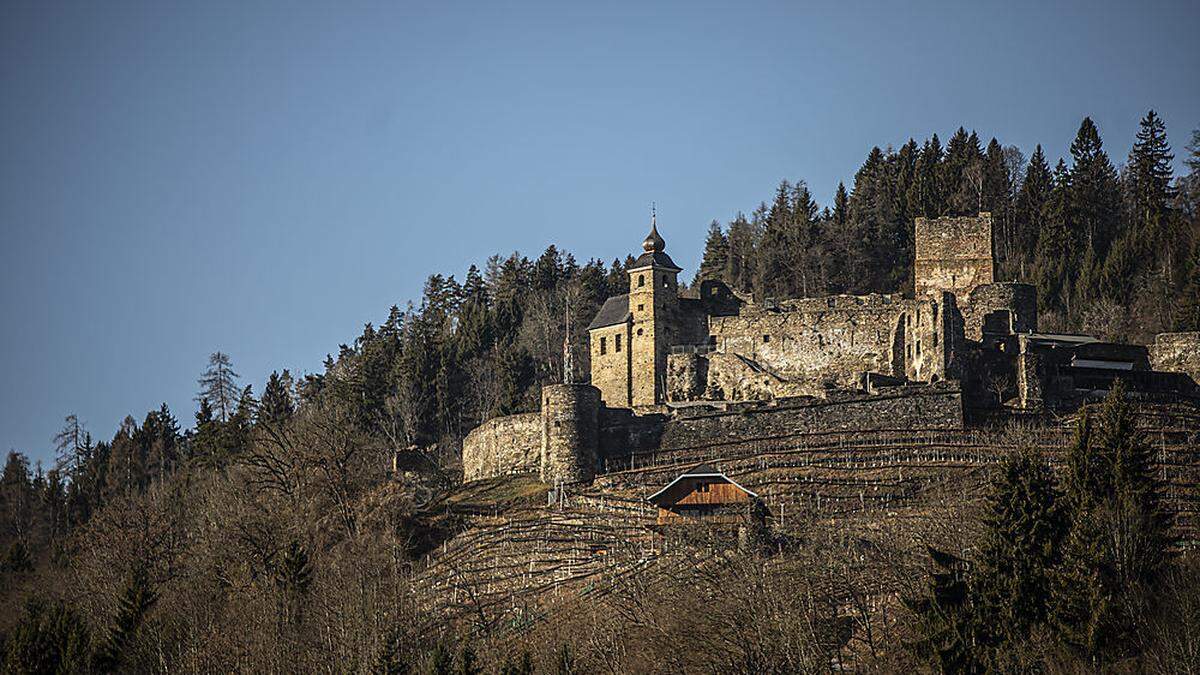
point(574, 434)
point(804, 347)
point(503, 445)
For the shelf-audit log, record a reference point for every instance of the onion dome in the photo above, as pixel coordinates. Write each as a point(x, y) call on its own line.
point(653, 242)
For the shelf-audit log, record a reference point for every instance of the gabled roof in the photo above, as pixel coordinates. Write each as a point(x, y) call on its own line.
point(701, 471)
point(615, 310)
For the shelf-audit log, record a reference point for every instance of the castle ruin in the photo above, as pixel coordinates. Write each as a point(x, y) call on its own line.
point(670, 366)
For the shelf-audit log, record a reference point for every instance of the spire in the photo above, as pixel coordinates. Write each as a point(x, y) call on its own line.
point(653, 242)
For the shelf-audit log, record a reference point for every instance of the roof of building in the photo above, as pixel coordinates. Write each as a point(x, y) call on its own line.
point(615, 310)
point(700, 471)
point(657, 259)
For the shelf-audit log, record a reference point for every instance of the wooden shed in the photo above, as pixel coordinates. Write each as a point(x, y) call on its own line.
point(702, 494)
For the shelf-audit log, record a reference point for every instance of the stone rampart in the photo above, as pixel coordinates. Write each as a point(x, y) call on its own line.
point(821, 343)
point(504, 445)
point(932, 407)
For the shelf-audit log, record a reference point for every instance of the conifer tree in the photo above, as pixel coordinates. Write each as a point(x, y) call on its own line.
point(1025, 527)
point(1030, 208)
point(1052, 267)
point(927, 195)
point(218, 385)
point(947, 618)
point(135, 603)
point(1117, 543)
point(49, 638)
point(1094, 207)
point(1149, 184)
point(277, 405)
point(716, 255)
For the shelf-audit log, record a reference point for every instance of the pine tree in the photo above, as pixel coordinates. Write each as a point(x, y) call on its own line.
point(1030, 208)
point(1151, 193)
point(1025, 527)
point(926, 194)
point(841, 205)
point(1117, 543)
point(946, 616)
point(743, 244)
point(49, 638)
point(277, 405)
point(135, 603)
point(716, 255)
point(1095, 204)
point(218, 385)
point(1052, 266)
point(293, 576)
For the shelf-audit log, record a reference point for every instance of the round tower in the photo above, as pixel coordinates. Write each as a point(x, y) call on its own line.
point(570, 432)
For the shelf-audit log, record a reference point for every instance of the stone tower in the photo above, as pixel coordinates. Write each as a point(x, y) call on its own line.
point(953, 253)
point(653, 303)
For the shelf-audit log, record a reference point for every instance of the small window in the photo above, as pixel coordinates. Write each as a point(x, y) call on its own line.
point(935, 339)
point(641, 308)
point(617, 344)
point(603, 346)
point(641, 280)
point(666, 281)
point(918, 347)
point(766, 338)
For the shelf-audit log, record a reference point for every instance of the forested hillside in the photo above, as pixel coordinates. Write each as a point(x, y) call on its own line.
point(275, 527)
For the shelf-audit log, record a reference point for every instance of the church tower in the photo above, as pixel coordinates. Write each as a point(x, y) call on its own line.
point(653, 304)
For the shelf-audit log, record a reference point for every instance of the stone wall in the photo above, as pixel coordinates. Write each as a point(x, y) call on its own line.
point(1177, 353)
point(926, 407)
point(503, 445)
point(953, 254)
point(816, 344)
point(999, 309)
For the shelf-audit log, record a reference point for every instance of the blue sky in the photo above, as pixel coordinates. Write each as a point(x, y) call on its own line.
point(263, 179)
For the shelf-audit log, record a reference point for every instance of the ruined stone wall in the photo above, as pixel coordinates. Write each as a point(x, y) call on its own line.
point(813, 344)
point(687, 374)
point(570, 432)
point(822, 340)
point(930, 407)
point(504, 445)
point(1001, 308)
point(1177, 353)
point(953, 254)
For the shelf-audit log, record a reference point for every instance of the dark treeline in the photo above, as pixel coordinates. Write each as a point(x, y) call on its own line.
point(277, 505)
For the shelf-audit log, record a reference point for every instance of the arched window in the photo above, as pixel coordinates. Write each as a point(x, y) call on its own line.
point(641, 280)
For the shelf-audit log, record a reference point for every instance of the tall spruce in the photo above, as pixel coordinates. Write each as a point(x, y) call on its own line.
point(1025, 526)
point(1029, 209)
point(1118, 540)
point(716, 255)
point(218, 385)
point(134, 604)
